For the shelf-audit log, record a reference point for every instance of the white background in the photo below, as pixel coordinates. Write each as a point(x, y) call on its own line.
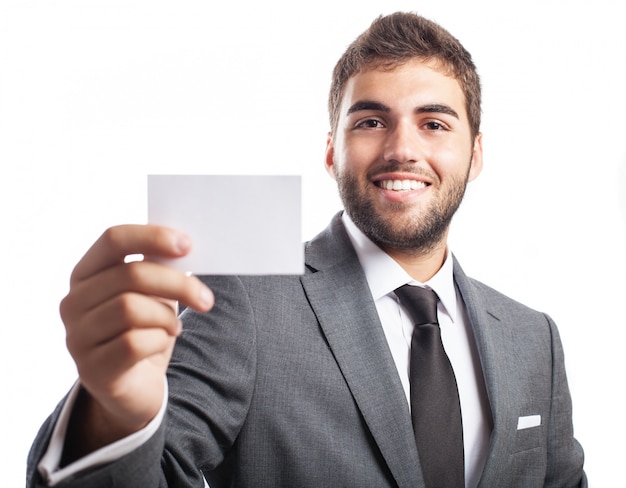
point(94, 95)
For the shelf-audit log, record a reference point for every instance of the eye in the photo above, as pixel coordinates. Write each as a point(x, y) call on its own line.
point(434, 125)
point(370, 124)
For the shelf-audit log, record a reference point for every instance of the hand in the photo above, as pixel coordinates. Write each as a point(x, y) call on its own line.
point(121, 326)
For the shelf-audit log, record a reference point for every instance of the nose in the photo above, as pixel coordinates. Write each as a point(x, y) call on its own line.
point(402, 144)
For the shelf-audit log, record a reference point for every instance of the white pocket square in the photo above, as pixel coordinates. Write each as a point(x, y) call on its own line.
point(528, 421)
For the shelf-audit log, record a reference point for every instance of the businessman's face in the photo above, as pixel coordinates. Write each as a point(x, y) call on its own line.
point(403, 153)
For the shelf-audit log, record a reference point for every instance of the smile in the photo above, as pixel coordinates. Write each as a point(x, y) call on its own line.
point(401, 185)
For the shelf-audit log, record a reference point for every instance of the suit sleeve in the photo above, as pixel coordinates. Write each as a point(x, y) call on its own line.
point(565, 454)
point(211, 378)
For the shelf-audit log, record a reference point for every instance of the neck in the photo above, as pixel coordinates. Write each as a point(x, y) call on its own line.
point(419, 264)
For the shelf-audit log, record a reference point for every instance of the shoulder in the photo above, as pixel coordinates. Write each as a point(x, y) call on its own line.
point(480, 298)
point(496, 297)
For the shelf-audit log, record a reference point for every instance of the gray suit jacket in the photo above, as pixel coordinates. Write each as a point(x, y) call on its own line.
point(289, 382)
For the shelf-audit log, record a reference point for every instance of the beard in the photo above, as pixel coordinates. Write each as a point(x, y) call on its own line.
point(416, 230)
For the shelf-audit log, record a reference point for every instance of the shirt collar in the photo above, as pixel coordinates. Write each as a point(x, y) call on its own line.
point(384, 274)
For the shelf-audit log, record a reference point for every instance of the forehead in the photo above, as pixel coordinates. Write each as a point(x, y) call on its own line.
point(404, 87)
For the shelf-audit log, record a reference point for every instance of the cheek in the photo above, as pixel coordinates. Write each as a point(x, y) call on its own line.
point(356, 158)
point(450, 161)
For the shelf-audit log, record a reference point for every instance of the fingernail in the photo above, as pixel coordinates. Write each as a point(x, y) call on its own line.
point(207, 298)
point(183, 243)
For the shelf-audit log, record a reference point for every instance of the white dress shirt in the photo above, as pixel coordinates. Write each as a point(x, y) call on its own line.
point(383, 276)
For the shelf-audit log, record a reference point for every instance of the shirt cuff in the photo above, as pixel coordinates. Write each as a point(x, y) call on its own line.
point(49, 465)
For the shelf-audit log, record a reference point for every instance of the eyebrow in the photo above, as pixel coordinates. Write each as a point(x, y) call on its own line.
point(368, 105)
point(381, 107)
point(437, 108)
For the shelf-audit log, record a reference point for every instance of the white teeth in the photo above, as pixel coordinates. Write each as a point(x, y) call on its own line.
point(401, 185)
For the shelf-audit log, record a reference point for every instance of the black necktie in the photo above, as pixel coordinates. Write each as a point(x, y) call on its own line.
point(435, 407)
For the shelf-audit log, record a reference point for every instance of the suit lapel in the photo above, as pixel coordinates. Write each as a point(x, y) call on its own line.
point(490, 336)
point(340, 298)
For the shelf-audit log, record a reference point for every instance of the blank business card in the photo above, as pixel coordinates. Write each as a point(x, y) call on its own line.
point(238, 224)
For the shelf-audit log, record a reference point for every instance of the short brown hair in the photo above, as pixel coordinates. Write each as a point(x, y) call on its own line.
point(394, 39)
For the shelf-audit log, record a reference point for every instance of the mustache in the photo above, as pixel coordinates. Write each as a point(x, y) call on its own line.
point(409, 168)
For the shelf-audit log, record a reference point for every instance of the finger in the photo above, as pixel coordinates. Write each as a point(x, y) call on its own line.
point(131, 347)
point(135, 356)
point(143, 277)
point(118, 242)
point(117, 316)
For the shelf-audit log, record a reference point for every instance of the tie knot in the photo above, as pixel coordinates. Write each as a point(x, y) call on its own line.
point(420, 303)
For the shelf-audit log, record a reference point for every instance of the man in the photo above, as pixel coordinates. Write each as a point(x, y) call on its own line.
point(309, 380)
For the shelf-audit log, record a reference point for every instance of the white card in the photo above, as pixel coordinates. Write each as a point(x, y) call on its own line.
point(238, 224)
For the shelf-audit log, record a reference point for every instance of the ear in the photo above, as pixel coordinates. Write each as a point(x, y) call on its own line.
point(476, 165)
point(329, 160)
